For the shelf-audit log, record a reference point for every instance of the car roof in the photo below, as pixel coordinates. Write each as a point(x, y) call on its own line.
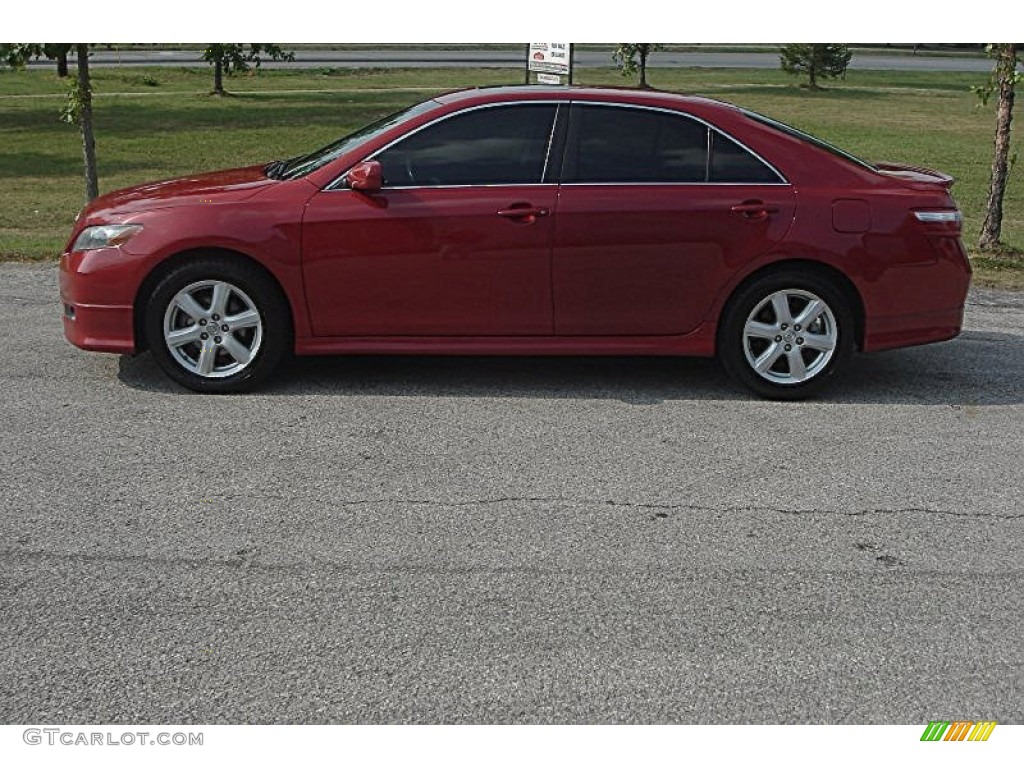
point(648, 97)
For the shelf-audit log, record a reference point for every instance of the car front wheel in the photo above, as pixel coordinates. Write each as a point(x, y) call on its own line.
point(785, 334)
point(215, 325)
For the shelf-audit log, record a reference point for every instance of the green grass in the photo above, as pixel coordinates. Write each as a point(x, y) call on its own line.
point(160, 122)
point(999, 272)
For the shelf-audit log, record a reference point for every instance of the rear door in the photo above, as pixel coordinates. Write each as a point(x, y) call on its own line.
point(656, 210)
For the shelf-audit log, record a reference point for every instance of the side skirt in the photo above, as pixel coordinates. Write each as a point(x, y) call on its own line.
point(698, 343)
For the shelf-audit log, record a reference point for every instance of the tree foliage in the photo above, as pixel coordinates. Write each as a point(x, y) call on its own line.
point(818, 61)
point(1002, 83)
point(229, 58)
point(18, 54)
point(15, 55)
point(631, 58)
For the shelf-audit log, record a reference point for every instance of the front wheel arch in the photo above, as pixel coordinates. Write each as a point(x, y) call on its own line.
point(168, 265)
point(217, 324)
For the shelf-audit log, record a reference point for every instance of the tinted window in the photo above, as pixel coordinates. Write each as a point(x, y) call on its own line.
point(732, 163)
point(640, 145)
point(300, 166)
point(495, 145)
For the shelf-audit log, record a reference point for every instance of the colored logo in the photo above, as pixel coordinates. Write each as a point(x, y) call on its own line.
point(959, 730)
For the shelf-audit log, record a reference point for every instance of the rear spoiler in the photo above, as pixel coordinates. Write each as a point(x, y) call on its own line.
point(915, 175)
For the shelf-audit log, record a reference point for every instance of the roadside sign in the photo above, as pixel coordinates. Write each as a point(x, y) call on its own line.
point(550, 58)
point(545, 79)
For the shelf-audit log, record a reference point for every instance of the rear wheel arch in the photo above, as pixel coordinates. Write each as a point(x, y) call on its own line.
point(821, 269)
point(786, 330)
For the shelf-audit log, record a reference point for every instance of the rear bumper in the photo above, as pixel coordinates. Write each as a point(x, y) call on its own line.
point(96, 300)
point(936, 291)
point(911, 330)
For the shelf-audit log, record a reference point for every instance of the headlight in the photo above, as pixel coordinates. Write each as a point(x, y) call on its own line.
point(105, 236)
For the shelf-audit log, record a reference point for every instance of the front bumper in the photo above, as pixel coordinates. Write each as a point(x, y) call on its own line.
point(96, 290)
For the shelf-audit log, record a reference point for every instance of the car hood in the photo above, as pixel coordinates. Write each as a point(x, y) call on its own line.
point(219, 187)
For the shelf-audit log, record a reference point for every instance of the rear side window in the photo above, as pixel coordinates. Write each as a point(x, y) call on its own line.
point(632, 145)
point(495, 145)
point(615, 144)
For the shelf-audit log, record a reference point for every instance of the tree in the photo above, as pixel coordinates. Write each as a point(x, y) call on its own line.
point(17, 54)
point(59, 53)
point(228, 58)
point(816, 60)
point(631, 58)
point(79, 106)
point(1003, 81)
point(79, 112)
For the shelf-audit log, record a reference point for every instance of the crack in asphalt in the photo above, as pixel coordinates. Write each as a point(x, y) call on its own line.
point(315, 563)
point(660, 506)
point(246, 556)
point(673, 506)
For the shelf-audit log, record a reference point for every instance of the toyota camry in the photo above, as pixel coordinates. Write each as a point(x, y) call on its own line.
point(528, 221)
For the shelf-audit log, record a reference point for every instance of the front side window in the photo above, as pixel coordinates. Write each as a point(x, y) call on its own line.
point(300, 166)
point(489, 146)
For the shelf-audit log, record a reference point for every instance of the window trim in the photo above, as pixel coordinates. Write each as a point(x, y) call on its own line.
point(783, 181)
point(561, 134)
point(338, 184)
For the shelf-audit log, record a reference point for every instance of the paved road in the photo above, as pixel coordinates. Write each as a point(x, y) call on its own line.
point(503, 540)
point(515, 58)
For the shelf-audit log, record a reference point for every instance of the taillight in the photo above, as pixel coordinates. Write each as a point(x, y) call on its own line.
point(940, 221)
point(942, 228)
point(939, 217)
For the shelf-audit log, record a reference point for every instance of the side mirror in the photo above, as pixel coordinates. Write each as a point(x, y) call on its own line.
point(366, 177)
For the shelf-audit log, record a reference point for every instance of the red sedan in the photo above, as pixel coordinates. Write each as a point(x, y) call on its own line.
point(528, 221)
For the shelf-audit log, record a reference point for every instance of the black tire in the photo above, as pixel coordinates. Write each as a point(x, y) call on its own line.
point(215, 363)
point(795, 361)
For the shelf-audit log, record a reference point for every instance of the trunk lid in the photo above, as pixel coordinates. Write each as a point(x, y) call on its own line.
point(914, 176)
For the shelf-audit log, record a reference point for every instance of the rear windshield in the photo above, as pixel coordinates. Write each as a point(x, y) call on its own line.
point(798, 134)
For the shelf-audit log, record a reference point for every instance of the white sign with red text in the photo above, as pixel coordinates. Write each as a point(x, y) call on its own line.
point(551, 58)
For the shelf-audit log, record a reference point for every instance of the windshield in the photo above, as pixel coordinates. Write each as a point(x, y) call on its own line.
point(300, 166)
point(796, 133)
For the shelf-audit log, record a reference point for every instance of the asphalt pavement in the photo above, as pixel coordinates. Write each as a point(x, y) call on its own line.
point(419, 58)
point(509, 540)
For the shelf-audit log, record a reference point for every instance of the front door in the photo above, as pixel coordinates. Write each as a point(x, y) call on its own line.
point(458, 242)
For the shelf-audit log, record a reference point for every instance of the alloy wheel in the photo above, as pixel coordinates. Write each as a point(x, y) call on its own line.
point(790, 336)
point(212, 329)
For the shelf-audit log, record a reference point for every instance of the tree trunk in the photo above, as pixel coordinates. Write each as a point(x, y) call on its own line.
point(812, 67)
point(92, 187)
point(218, 78)
point(62, 63)
point(991, 228)
point(643, 66)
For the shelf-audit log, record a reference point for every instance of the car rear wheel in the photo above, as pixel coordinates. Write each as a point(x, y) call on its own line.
point(216, 325)
point(786, 334)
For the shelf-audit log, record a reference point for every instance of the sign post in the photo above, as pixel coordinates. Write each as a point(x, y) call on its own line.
point(551, 62)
